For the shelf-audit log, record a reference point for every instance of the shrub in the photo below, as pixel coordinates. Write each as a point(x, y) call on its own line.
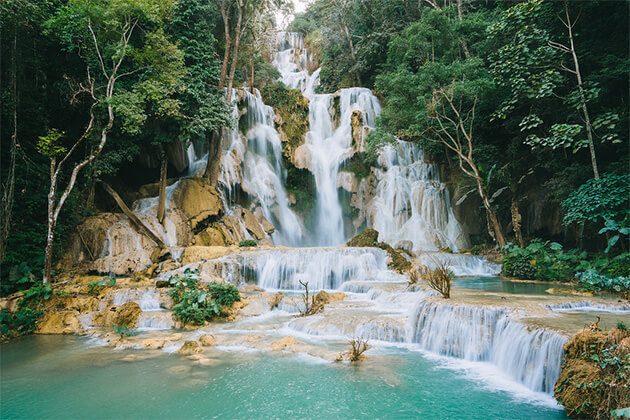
point(247, 243)
point(598, 200)
point(439, 278)
point(94, 287)
point(541, 261)
point(225, 294)
point(123, 331)
point(192, 304)
point(592, 281)
point(21, 322)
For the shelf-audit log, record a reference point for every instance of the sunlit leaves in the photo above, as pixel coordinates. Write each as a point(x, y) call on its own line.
point(50, 144)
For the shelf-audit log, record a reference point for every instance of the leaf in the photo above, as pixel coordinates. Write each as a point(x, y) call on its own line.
point(497, 193)
point(464, 197)
point(555, 246)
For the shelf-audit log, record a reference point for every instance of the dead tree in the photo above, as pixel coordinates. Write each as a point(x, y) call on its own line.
point(454, 129)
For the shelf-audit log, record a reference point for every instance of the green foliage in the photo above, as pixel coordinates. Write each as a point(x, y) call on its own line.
point(607, 198)
point(292, 107)
point(49, 145)
point(122, 331)
point(621, 326)
point(21, 322)
point(192, 303)
point(24, 320)
point(225, 294)
point(614, 232)
point(592, 281)
point(247, 243)
point(541, 261)
point(95, 287)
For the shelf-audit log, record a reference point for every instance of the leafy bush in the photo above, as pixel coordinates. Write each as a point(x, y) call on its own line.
point(192, 303)
point(123, 331)
point(224, 294)
point(591, 280)
point(21, 322)
point(24, 319)
point(541, 261)
point(247, 242)
point(94, 287)
point(598, 200)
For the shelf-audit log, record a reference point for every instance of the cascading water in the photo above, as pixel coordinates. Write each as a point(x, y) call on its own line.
point(461, 264)
point(532, 358)
point(411, 207)
point(322, 268)
point(330, 138)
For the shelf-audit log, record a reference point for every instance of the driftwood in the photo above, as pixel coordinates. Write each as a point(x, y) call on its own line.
point(134, 219)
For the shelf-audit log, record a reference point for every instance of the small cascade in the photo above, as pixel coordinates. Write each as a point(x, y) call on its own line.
point(147, 298)
point(532, 358)
point(264, 175)
point(411, 207)
point(322, 268)
point(155, 320)
point(586, 306)
point(461, 264)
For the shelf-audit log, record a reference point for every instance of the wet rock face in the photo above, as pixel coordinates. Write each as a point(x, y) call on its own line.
point(593, 380)
point(63, 322)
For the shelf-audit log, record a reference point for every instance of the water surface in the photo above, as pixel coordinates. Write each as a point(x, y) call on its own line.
point(64, 377)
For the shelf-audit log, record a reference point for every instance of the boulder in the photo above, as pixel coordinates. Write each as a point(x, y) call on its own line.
point(198, 201)
point(190, 347)
point(347, 181)
point(252, 225)
point(152, 343)
point(207, 340)
point(198, 253)
point(127, 315)
point(302, 157)
point(284, 343)
point(63, 322)
point(275, 299)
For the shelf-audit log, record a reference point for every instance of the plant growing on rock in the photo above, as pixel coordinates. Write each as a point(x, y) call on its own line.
point(592, 281)
point(123, 331)
point(225, 294)
point(595, 375)
point(95, 287)
point(439, 278)
point(358, 346)
point(247, 243)
point(192, 304)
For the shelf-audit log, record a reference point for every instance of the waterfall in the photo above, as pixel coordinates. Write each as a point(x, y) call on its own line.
point(264, 175)
point(330, 138)
point(411, 207)
point(532, 358)
point(461, 264)
point(322, 268)
point(586, 306)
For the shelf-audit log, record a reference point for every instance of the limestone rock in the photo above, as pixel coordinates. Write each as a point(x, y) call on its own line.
point(347, 181)
point(252, 225)
point(284, 343)
point(190, 347)
point(198, 253)
point(275, 299)
point(197, 200)
point(127, 315)
point(302, 157)
point(153, 343)
point(207, 340)
point(63, 322)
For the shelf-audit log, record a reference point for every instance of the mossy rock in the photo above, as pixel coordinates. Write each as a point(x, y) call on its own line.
point(588, 386)
point(369, 238)
point(127, 315)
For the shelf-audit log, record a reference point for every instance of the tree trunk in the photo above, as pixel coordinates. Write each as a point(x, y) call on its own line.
point(235, 48)
point(213, 165)
point(134, 219)
point(228, 43)
point(9, 186)
point(251, 75)
point(493, 219)
point(51, 222)
point(161, 210)
point(578, 75)
point(516, 222)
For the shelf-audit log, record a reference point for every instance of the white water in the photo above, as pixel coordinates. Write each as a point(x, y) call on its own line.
point(586, 306)
point(532, 358)
point(411, 207)
point(461, 264)
point(322, 268)
point(329, 141)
